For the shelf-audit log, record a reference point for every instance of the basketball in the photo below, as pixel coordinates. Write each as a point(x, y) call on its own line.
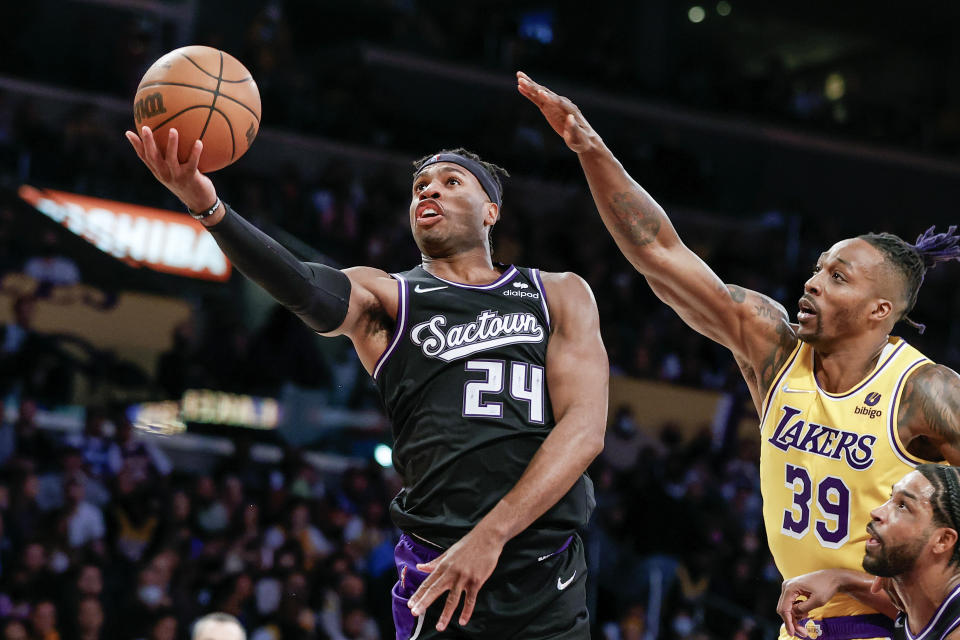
point(205, 94)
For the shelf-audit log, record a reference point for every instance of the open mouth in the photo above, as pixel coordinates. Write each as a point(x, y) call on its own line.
point(429, 212)
point(874, 540)
point(806, 309)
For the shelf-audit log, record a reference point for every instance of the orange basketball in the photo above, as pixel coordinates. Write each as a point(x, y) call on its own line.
point(205, 94)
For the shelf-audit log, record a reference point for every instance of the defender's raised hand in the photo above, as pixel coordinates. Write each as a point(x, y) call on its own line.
point(561, 113)
point(184, 180)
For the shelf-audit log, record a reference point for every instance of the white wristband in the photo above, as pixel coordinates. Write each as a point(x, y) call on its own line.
point(200, 215)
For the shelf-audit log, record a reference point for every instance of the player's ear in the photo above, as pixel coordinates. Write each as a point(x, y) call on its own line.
point(882, 308)
point(945, 539)
point(491, 214)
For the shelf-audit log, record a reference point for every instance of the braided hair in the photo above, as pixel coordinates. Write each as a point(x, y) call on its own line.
point(945, 499)
point(914, 260)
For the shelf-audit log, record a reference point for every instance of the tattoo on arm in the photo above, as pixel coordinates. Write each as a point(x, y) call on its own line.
point(765, 309)
point(786, 342)
point(737, 294)
point(638, 223)
point(776, 325)
point(931, 405)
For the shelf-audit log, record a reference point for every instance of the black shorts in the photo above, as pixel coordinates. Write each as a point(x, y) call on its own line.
point(528, 599)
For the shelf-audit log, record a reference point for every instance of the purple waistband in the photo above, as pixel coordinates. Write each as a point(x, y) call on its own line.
point(560, 550)
point(872, 625)
point(424, 548)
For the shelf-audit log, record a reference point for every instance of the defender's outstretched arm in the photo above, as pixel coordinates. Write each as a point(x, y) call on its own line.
point(754, 327)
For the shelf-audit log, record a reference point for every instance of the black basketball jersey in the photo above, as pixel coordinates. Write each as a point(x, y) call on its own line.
point(464, 385)
point(943, 622)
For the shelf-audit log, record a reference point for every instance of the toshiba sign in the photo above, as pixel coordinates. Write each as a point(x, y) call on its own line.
point(140, 236)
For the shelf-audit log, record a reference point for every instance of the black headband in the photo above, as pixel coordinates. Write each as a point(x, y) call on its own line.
point(478, 170)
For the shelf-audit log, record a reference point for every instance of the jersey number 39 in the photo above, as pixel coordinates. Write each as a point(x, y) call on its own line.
point(526, 383)
point(832, 497)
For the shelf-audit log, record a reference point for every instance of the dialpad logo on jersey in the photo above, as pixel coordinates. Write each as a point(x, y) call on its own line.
point(489, 331)
point(521, 291)
point(855, 448)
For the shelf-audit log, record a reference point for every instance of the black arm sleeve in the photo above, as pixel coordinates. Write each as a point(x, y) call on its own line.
point(317, 293)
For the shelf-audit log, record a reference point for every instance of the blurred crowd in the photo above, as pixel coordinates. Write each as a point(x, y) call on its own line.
point(826, 73)
point(677, 542)
point(104, 535)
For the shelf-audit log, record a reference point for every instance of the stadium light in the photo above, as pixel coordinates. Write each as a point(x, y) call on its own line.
point(723, 8)
point(835, 86)
point(383, 455)
point(696, 14)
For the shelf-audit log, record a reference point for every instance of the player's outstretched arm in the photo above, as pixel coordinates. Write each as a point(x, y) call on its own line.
point(756, 328)
point(800, 595)
point(577, 375)
point(929, 415)
point(329, 301)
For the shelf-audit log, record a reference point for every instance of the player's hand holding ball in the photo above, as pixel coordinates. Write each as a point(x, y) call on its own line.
point(197, 110)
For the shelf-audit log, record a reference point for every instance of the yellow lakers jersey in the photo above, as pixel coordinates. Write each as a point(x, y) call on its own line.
point(827, 460)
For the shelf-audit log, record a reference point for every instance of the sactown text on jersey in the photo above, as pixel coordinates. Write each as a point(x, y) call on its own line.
point(488, 331)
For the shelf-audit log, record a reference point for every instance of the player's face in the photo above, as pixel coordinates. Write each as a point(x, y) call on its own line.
point(838, 298)
point(900, 528)
point(449, 210)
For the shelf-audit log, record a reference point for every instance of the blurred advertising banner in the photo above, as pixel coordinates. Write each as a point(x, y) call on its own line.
point(205, 406)
point(299, 416)
point(164, 241)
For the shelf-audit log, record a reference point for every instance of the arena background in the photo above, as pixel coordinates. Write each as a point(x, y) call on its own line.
point(256, 484)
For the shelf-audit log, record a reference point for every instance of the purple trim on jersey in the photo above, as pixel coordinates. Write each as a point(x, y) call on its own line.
point(560, 550)
point(956, 623)
point(894, 442)
point(509, 273)
point(401, 323)
point(936, 616)
point(865, 382)
point(772, 391)
point(538, 282)
point(407, 555)
point(871, 625)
